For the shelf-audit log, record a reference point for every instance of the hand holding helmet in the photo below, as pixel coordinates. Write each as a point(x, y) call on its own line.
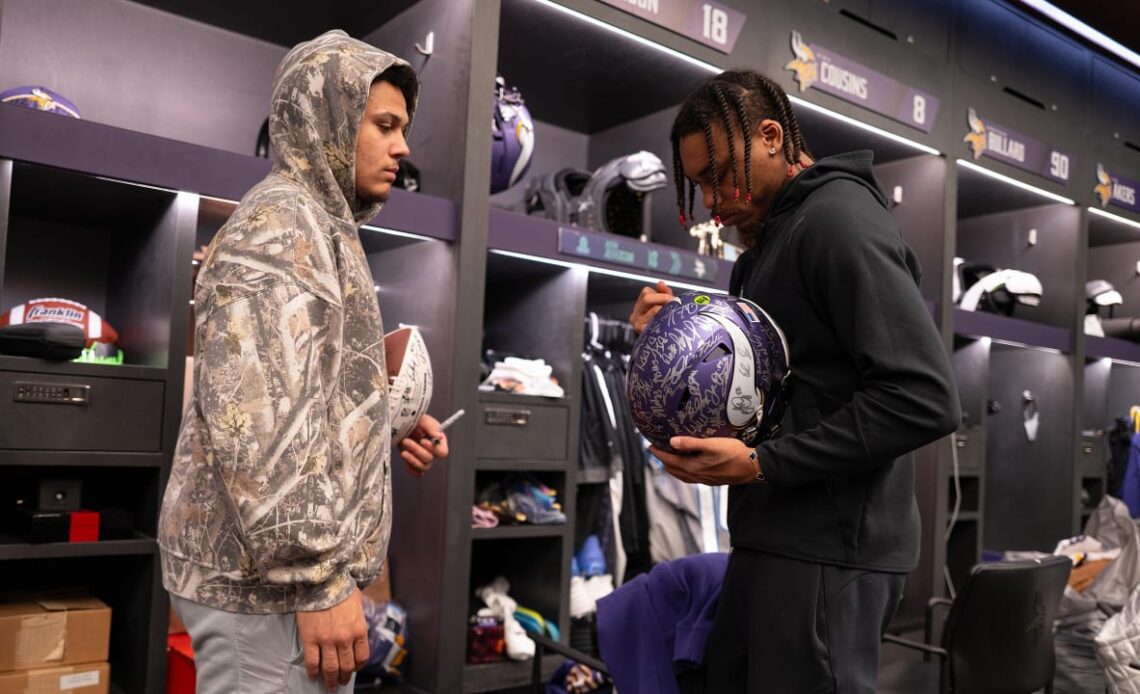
point(706, 384)
point(649, 303)
point(712, 461)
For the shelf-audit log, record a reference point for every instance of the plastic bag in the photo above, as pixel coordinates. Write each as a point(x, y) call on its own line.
point(1118, 648)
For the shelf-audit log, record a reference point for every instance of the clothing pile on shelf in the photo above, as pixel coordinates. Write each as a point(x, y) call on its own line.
point(482, 518)
point(517, 498)
point(522, 377)
point(500, 628)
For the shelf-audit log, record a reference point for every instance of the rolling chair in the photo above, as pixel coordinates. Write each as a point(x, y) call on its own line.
point(998, 637)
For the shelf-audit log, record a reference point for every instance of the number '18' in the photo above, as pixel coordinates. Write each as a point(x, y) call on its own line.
point(716, 24)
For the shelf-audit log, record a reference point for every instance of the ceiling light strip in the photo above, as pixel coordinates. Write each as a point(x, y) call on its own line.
point(1014, 182)
point(608, 272)
point(395, 232)
point(1083, 30)
point(631, 36)
point(1113, 217)
point(1013, 343)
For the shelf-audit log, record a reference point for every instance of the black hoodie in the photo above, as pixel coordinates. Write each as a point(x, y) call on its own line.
point(871, 380)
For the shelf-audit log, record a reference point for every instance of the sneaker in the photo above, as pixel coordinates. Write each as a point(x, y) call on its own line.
point(591, 561)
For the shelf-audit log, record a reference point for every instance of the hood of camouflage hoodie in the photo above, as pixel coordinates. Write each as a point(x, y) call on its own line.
point(319, 94)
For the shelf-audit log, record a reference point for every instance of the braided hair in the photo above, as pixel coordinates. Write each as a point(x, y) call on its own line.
point(738, 99)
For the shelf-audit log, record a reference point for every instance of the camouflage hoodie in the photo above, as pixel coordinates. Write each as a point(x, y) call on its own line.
point(280, 494)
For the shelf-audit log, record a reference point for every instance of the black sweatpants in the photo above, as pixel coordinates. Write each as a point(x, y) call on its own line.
point(785, 626)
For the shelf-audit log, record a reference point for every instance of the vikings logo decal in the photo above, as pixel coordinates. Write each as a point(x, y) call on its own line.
point(1103, 188)
point(977, 135)
point(804, 62)
point(42, 100)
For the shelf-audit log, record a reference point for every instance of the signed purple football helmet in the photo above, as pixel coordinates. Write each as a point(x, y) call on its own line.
point(708, 365)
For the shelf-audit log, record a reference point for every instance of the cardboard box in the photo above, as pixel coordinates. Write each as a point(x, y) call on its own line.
point(52, 629)
point(84, 678)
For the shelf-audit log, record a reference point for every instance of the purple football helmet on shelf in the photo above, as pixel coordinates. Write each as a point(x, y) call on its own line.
point(39, 99)
point(512, 133)
point(708, 365)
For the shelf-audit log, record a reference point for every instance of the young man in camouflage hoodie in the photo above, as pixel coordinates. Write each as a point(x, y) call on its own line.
point(279, 501)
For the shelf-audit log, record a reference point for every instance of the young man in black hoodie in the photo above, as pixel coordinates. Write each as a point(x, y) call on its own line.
point(823, 518)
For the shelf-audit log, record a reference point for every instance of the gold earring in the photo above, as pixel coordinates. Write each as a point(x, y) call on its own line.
point(772, 151)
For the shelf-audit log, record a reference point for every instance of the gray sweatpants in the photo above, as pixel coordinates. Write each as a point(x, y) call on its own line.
point(247, 653)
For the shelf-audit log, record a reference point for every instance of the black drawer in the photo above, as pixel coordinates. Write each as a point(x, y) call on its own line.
point(522, 428)
point(79, 413)
point(970, 442)
point(1093, 456)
